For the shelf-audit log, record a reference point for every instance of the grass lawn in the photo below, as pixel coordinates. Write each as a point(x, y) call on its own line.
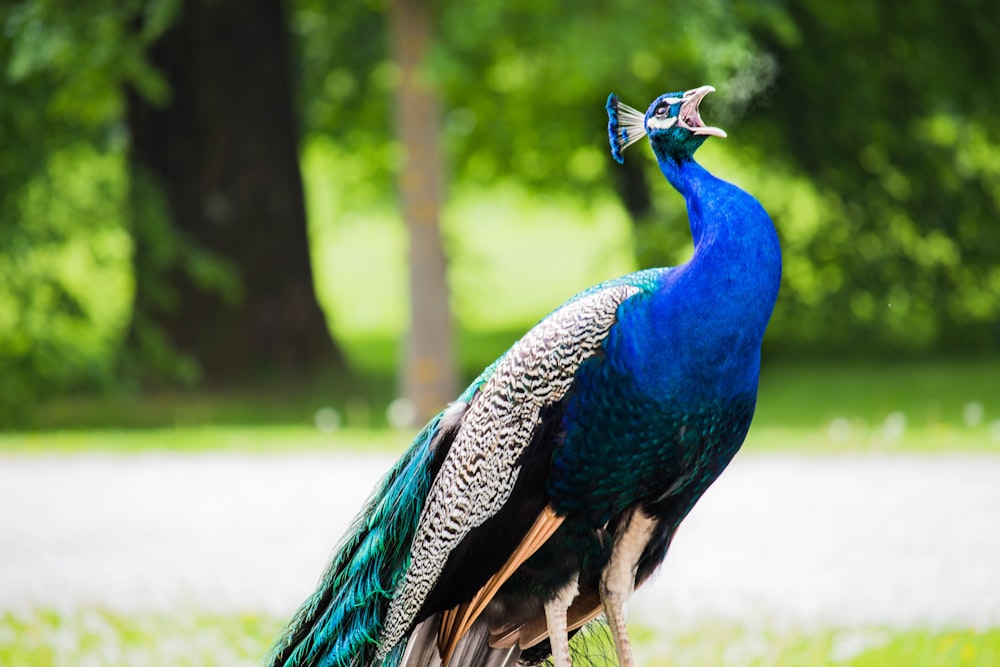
point(94, 637)
point(933, 406)
point(812, 408)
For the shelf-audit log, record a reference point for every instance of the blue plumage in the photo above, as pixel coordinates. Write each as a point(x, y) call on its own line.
point(553, 486)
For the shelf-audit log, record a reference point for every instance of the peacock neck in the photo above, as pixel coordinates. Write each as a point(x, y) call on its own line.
point(733, 236)
point(697, 185)
point(708, 317)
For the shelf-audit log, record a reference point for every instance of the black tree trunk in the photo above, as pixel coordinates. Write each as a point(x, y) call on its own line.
point(224, 277)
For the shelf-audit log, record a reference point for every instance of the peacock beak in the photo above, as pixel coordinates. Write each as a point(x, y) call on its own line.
point(690, 119)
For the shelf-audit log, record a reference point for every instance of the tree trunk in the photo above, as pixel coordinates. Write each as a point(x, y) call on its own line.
point(428, 376)
point(225, 277)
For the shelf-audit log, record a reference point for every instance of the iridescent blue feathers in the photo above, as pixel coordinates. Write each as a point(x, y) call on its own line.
point(625, 126)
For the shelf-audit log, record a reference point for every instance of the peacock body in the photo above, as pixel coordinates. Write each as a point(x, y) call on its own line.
point(553, 486)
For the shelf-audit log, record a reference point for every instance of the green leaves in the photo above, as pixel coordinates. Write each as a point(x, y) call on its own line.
point(888, 112)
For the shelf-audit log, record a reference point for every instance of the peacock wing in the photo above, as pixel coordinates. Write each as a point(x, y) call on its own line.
point(482, 464)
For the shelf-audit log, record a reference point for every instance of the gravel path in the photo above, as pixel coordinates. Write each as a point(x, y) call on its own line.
point(837, 541)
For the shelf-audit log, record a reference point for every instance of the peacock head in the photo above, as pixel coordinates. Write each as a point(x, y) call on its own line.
point(672, 122)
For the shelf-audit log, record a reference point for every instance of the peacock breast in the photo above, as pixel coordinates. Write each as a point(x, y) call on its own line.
point(623, 446)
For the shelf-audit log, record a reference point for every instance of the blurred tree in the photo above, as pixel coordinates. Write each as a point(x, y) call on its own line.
point(428, 378)
point(518, 94)
point(223, 273)
point(68, 195)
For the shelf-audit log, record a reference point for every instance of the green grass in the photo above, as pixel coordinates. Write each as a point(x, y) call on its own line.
point(934, 391)
point(257, 439)
point(931, 406)
point(46, 638)
point(723, 646)
point(811, 408)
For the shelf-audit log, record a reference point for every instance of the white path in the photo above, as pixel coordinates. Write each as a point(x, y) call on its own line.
point(843, 541)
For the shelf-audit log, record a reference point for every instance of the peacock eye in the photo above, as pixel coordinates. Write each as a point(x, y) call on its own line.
point(661, 110)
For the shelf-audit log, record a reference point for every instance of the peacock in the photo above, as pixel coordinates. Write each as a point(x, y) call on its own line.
point(552, 487)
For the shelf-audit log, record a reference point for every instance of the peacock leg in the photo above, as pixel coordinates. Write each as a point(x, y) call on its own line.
point(555, 618)
point(618, 579)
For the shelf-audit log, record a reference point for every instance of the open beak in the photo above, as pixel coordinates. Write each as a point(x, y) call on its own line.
point(690, 119)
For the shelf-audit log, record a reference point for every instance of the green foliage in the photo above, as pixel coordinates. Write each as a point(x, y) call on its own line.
point(64, 296)
point(523, 83)
point(64, 249)
point(62, 64)
point(537, 88)
point(889, 111)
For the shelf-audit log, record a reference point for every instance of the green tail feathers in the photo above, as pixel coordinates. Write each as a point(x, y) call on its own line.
point(339, 625)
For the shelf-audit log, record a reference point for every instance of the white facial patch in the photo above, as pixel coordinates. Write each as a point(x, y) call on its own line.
point(655, 123)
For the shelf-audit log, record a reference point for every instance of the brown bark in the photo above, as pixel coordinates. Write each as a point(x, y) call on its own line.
point(224, 153)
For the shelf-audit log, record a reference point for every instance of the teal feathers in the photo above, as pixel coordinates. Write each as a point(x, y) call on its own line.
point(341, 622)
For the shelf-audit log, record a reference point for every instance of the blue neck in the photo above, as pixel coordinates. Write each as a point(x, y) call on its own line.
point(724, 219)
point(704, 325)
point(695, 183)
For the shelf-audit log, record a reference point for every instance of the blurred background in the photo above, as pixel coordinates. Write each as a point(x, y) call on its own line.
point(202, 195)
point(251, 225)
